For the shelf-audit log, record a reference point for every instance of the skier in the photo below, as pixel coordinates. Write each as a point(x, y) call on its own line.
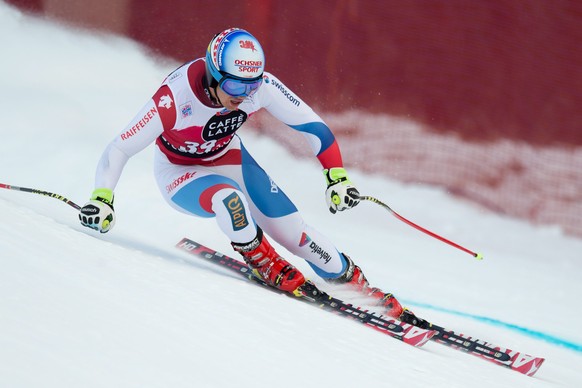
point(203, 169)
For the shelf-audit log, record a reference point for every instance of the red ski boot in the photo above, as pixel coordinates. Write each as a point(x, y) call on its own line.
point(268, 265)
point(356, 279)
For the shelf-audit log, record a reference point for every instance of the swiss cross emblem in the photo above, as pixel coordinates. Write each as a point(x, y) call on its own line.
point(165, 102)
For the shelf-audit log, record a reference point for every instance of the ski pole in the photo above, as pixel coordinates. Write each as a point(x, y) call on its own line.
point(41, 192)
point(478, 256)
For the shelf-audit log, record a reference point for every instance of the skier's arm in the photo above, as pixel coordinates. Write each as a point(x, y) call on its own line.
point(141, 131)
point(282, 103)
point(290, 109)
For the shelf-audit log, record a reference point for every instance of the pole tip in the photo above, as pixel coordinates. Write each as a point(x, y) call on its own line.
point(478, 256)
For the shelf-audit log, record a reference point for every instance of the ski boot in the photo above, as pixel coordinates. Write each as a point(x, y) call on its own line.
point(355, 279)
point(268, 265)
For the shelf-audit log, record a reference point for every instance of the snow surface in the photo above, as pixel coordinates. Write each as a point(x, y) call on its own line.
point(127, 309)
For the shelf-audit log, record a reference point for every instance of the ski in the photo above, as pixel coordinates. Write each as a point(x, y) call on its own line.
point(514, 360)
point(309, 293)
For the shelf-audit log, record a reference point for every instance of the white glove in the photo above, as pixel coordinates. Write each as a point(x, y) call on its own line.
point(98, 213)
point(340, 194)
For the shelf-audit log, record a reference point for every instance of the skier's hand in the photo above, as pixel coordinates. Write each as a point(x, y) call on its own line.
point(341, 193)
point(98, 213)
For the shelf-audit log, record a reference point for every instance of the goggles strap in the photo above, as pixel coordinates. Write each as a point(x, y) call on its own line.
point(216, 94)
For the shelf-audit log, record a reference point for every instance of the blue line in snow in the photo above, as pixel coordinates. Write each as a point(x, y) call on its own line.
point(496, 322)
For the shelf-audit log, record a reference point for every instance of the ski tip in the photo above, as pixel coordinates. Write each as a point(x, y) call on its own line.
point(533, 367)
point(524, 363)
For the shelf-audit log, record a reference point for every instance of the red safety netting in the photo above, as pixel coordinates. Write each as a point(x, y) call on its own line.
point(495, 86)
point(540, 184)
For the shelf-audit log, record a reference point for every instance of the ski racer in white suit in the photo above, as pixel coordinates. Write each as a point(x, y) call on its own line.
point(202, 167)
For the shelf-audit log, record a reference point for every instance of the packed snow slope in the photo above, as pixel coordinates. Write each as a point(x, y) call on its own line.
point(127, 309)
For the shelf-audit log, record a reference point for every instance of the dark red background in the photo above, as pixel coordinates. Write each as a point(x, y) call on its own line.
point(480, 69)
point(483, 69)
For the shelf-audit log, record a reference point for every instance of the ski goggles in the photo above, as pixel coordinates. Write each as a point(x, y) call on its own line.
point(240, 88)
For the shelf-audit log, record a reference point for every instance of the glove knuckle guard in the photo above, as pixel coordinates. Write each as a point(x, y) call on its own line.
point(97, 215)
point(340, 194)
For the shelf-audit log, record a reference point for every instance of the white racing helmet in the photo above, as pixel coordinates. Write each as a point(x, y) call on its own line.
point(235, 62)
